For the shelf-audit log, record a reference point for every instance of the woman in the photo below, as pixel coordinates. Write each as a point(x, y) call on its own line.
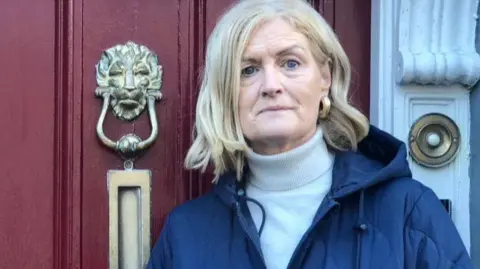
point(301, 179)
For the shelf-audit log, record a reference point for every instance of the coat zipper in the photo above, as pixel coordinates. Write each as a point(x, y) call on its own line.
point(304, 239)
point(245, 229)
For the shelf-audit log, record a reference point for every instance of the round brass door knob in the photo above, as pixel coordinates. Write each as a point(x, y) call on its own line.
point(434, 140)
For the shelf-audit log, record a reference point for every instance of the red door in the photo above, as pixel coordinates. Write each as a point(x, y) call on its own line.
point(53, 200)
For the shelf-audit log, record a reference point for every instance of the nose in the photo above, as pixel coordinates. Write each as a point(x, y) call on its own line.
point(272, 83)
point(129, 83)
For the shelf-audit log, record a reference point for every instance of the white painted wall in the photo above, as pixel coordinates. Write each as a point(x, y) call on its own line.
point(423, 61)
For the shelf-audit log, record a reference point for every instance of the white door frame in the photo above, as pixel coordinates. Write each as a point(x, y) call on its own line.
point(423, 60)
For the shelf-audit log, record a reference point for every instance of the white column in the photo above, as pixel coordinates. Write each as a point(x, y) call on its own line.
point(424, 60)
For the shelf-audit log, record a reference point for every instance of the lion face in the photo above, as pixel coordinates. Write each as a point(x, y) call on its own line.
point(128, 72)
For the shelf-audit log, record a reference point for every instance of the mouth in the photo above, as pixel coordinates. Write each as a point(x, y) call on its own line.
point(275, 109)
point(128, 103)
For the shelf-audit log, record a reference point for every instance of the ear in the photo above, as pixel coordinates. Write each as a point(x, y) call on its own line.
point(325, 75)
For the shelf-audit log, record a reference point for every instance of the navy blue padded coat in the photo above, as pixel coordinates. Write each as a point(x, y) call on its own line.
point(375, 217)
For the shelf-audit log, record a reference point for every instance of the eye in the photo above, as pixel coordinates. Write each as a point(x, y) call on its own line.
point(143, 72)
point(248, 71)
point(115, 70)
point(141, 69)
point(291, 64)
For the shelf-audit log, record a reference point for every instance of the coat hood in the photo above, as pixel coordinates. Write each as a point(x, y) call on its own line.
point(379, 157)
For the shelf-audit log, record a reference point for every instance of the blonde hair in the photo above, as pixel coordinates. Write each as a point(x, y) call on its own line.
point(218, 137)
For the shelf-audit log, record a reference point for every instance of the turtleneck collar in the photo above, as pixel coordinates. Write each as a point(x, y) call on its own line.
point(291, 169)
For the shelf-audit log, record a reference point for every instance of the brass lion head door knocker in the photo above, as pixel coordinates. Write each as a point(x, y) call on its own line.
point(129, 79)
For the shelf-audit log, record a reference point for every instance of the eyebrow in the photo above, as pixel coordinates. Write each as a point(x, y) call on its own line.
point(289, 49)
point(282, 52)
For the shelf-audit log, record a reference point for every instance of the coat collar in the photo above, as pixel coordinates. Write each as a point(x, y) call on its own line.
point(380, 157)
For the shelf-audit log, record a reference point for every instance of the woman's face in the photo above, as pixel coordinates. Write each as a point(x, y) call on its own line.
point(281, 88)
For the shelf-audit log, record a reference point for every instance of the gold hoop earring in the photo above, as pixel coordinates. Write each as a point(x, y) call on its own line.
point(325, 105)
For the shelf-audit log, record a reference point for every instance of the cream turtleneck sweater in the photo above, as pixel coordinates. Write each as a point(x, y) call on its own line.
point(290, 186)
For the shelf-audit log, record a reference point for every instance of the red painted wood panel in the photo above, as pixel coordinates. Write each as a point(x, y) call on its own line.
point(352, 25)
point(68, 136)
point(154, 24)
point(27, 53)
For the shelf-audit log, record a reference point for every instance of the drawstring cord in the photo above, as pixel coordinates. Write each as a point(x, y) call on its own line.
point(241, 195)
point(361, 226)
